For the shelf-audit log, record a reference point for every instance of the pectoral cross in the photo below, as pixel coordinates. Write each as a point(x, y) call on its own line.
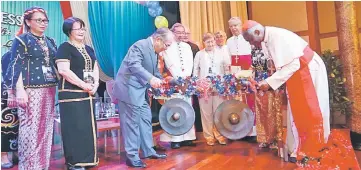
point(237, 59)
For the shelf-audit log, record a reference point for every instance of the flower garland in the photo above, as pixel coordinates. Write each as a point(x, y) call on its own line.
point(227, 86)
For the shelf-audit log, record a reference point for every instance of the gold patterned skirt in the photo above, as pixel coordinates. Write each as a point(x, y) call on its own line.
point(36, 129)
point(269, 117)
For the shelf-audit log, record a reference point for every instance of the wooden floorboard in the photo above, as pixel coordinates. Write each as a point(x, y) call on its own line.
point(236, 155)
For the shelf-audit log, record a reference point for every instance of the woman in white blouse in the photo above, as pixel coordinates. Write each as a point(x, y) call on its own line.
point(210, 61)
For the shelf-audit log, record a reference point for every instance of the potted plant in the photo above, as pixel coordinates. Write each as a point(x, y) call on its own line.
point(339, 103)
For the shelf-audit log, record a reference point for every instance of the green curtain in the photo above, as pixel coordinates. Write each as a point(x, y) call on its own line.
point(11, 10)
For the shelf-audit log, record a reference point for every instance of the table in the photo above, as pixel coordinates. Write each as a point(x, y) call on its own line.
point(107, 125)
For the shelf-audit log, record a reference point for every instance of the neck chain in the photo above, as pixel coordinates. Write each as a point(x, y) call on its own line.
point(180, 56)
point(44, 47)
point(211, 56)
point(83, 52)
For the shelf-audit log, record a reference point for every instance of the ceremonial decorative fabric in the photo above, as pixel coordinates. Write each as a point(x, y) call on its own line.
point(33, 56)
point(268, 104)
point(36, 129)
point(9, 116)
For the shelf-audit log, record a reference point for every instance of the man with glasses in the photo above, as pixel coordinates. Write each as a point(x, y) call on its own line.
point(137, 71)
point(178, 59)
point(187, 39)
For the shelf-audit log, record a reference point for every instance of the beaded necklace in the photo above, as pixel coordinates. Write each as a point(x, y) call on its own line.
point(87, 59)
point(44, 47)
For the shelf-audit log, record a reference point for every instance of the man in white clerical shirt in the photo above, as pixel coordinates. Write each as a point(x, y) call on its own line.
point(240, 54)
point(239, 48)
point(178, 59)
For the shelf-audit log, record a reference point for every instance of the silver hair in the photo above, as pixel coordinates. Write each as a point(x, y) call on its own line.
point(235, 19)
point(177, 25)
point(163, 33)
point(220, 32)
point(258, 27)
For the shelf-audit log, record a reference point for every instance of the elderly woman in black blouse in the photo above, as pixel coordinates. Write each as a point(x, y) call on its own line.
point(80, 79)
point(31, 83)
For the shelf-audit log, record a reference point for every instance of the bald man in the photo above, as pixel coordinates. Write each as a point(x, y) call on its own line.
point(305, 75)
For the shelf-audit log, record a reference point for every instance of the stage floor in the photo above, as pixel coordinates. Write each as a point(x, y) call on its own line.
point(235, 155)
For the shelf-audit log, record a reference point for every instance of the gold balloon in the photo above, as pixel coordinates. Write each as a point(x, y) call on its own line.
point(160, 22)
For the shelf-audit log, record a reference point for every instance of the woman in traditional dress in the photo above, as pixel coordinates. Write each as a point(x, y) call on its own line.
point(80, 80)
point(31, 82)
point(9, 121)
point(268, 104)
point(209, 62)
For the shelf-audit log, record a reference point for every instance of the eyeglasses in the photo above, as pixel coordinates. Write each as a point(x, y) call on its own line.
point(79, 29)
point(166, 45)
point(40, 21)
point(178, 32)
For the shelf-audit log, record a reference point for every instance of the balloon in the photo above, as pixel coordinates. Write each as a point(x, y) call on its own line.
point(155, 11)
point(158, 11)
point(152, 12)
point(152, 4)
point(160, 22)
point(141, 2)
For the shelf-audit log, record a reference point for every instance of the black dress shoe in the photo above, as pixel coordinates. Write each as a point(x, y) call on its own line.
point(175, 145)
point(157, 156)
point(292, 159)
point(357, 147)
point(159, 148)
point(76, 168)
point(136, 164)
point(250, 139)
point(188, 143)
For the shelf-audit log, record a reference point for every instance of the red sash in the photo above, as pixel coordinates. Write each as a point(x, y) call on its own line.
point(305, 108)
point(245, 61)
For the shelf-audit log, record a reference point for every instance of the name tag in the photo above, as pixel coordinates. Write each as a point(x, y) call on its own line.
point(88, 77)
point(49, 75)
